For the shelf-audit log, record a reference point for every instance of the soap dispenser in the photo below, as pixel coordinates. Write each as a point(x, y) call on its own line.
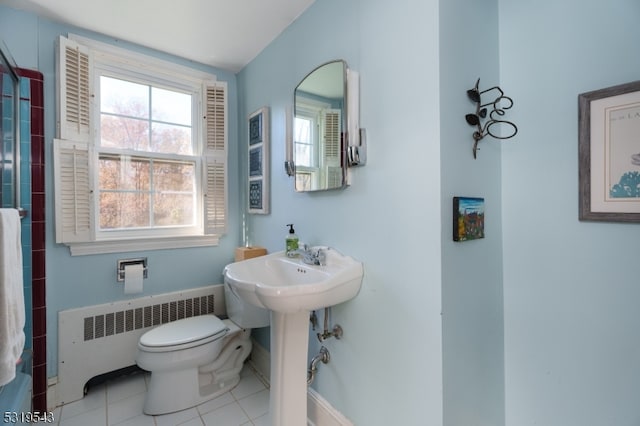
point(291, 240)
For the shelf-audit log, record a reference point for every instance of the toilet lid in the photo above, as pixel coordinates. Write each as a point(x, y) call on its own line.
point(184, 331)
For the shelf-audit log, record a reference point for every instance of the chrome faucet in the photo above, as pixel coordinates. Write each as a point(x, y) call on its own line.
point(310, 256)
point(319, 257)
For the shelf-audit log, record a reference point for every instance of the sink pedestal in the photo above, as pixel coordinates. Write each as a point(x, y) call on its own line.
point(290, 289)
point(289, 349)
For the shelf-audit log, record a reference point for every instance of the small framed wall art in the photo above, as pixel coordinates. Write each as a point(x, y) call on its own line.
point(258, 155)
point(468, 218)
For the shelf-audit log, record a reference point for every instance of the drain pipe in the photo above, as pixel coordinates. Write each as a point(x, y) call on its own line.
point(313, 369)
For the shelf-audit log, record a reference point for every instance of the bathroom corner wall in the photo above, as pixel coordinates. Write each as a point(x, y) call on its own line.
point(472, 301)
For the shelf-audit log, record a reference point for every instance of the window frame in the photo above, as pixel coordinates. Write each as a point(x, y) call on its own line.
point(312, 144)
point(107, 69)
point(120, 63)
point(319, 173)
point(196, 228)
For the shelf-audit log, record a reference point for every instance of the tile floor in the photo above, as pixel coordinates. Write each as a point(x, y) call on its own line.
point(119, 402)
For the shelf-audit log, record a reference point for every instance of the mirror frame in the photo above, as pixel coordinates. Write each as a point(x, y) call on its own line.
point(290, 164)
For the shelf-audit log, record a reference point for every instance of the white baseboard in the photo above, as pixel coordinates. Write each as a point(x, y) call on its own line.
point(52, 396)
point(260, 360)
point(319, 411)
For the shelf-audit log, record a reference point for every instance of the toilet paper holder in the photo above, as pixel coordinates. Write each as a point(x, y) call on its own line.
point(135, 261)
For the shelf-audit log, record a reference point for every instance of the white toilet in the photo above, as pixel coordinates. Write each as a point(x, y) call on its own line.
point(196, 359)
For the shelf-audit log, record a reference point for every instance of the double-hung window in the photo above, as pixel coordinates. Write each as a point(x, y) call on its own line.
point(140, 159)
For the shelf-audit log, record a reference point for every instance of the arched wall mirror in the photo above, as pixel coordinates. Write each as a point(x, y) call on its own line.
point(319, 129)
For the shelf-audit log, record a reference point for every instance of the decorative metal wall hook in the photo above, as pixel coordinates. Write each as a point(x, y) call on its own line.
point(498, 105)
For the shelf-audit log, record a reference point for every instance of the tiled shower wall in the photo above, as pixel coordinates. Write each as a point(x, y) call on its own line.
point(34, 108)
point(31, 189)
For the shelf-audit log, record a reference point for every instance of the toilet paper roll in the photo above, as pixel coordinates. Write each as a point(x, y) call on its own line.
point(133, 276)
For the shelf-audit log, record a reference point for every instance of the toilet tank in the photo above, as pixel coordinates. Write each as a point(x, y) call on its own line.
point(244, 314)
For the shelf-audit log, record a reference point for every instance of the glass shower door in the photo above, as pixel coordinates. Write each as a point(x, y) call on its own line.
point(9, 130)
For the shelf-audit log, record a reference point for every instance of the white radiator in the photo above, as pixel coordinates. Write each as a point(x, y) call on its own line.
point(98, 339)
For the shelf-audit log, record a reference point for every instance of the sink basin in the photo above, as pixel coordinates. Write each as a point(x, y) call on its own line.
point(285, 284)
point(290, 288)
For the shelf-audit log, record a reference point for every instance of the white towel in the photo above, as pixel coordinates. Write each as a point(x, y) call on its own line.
point(11, 295)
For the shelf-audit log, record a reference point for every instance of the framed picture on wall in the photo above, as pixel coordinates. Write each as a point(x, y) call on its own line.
point(609, 154)
point(258, 159)
point(468, 218)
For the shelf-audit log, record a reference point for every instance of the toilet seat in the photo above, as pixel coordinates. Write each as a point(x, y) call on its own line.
point(183, 334)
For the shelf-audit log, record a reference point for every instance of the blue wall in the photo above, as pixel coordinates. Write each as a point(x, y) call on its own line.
point(571, 288)
point(88, 280)
point(388, 365)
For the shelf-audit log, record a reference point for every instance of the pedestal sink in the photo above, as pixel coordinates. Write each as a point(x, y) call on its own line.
point(291, 289)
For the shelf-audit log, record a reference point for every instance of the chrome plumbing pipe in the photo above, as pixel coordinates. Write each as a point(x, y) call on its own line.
point(336, 332)
point(313, 367)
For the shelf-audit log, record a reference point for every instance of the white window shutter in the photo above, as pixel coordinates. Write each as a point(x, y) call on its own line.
point(215, 158)
point(215, 196)
point(73, 196)
point(73, 90)
point(332, 134)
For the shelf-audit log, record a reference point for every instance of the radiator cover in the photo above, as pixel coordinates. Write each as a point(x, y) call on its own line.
point(95, 340)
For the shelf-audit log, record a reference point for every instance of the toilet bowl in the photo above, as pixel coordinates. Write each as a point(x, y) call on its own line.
point(193, 360)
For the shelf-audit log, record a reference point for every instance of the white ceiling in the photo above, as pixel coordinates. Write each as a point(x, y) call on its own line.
point(226, 34)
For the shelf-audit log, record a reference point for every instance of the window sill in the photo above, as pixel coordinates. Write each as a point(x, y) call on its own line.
point(119, 246)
